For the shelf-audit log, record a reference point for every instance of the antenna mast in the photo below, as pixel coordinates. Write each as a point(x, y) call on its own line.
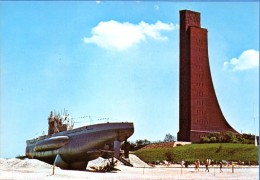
point(254, 117)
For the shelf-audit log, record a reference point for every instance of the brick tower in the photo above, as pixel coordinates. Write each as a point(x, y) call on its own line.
point(200, 112)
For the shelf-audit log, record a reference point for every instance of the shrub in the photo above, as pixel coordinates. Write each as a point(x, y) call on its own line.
point(205, 139)
point(169, 155)
point(230, 137)
point(213, 139)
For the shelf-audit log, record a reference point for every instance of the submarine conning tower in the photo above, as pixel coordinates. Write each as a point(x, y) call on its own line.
point(56, 124)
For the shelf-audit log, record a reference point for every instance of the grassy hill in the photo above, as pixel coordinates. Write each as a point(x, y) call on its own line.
point(192, 152)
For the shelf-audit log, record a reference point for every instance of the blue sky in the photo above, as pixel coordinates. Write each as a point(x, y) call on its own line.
point(119, 60)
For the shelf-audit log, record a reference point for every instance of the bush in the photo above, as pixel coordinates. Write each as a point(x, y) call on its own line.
point(213, 139)
point(229, 137)
point(169, 155)
point(245, 141)
point(205, 139)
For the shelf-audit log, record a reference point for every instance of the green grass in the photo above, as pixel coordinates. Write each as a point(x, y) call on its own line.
point(192, 152)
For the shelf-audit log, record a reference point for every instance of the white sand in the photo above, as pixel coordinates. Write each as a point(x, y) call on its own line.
point(136, 162)
point(34, 169)
point(27, 163)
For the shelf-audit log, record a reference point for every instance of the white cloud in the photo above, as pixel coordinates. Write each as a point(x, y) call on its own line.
point(247, 60)
point(120, 36)
point(98, 2)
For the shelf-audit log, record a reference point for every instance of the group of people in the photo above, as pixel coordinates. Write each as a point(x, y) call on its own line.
point(207, 163)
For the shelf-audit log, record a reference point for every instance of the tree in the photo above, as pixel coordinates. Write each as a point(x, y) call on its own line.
point(169, 138)
point(142, 142)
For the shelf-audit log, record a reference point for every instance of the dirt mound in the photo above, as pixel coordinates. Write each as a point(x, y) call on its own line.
point(159, 145)
point(26, 163)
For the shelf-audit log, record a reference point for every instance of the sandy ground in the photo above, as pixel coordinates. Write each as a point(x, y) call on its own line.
point(130, 173)
point(32, 169)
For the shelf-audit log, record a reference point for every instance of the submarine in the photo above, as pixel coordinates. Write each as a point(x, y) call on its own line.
point(70, 148)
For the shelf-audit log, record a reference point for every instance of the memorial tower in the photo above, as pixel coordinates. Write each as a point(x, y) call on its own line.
point(199, 110)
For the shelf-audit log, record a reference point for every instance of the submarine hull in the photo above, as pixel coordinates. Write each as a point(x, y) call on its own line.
point(73, 149)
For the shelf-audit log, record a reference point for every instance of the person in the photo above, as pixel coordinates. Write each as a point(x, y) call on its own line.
point(186, 164)
point(220, 167)
point(198, 165)
point(126, 148)
point(207, 165)
point(182, 163)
